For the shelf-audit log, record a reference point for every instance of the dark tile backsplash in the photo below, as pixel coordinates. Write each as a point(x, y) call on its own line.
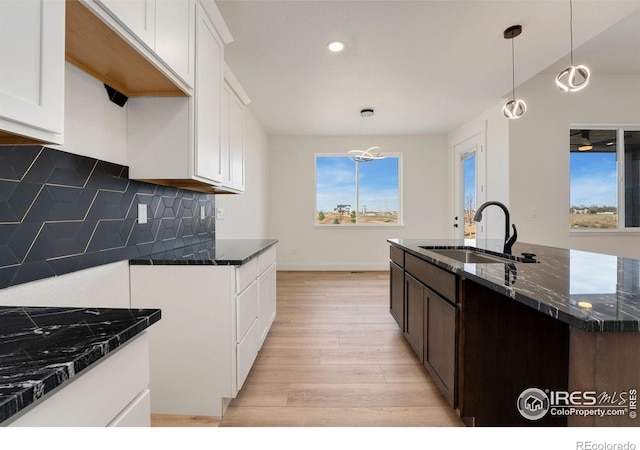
point(61, 212)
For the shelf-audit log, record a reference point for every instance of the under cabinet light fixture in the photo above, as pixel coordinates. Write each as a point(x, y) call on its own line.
point(515, 107)
point(577, 77)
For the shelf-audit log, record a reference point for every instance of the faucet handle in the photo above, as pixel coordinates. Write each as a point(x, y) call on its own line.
point(511, 240)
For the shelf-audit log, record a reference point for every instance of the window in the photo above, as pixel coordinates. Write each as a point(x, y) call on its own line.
point(604, 178)
point(357, 193)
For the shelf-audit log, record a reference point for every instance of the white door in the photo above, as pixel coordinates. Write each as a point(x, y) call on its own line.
point(469, 188)
point(32, 68)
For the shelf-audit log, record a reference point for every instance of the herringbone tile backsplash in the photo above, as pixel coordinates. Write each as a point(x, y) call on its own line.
point(61, 212)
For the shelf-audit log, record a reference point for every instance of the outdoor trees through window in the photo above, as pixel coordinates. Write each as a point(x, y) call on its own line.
point(604, 178)
point(357, 193)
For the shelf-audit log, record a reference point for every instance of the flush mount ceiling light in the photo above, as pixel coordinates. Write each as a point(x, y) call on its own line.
point(366, 155)
point(515, 107)
point(573, 78)
point(335, 46)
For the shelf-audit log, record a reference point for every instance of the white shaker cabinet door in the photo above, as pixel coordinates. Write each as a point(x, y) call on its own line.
point(32, 68)
point(236, 142)
point(175, 36)
point(208, 99)
point(138, 16)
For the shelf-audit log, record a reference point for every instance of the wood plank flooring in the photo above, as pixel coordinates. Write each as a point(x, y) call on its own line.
point(335, 357)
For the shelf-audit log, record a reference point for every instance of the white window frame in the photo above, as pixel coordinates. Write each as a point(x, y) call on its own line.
point(621, 229)
point(400, 223)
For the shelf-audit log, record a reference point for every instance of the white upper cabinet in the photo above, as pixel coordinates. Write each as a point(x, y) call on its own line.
point(138, 16)
point(32, 71)
point(208, 98)
point(178, 141)
point(175, 36)
point(234, 100)
point(161, 30)
point(236, 143)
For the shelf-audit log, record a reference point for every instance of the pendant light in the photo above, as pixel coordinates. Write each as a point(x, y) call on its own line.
point(573, 78)
point(585, 143)
point(366, 155)
point(515, 107)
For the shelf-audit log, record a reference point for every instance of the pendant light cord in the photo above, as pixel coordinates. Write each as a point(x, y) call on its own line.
point(571, 27)
point(513, 71)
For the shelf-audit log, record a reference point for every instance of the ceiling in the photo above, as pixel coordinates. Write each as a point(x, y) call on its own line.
point(426, 67)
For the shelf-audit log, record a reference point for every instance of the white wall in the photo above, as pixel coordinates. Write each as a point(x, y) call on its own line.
point(245, 215)
point(304, 246)
point(539, 157)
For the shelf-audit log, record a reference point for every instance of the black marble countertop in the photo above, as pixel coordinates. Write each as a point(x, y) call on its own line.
point(590, 291)
point(220, 252)
point(42, 348)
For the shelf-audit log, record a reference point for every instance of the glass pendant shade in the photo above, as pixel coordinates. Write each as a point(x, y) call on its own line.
point(514, 109)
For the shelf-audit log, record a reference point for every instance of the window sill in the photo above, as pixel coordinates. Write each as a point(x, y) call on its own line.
point(604, 232)
point(377, 225)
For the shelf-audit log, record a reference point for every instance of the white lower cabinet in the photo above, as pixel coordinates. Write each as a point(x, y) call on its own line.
point(267, 294)
point(211, 330)
point(113, 392)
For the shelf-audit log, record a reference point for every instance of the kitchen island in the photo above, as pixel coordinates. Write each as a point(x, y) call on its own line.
point(548, 339)
point(74, 366)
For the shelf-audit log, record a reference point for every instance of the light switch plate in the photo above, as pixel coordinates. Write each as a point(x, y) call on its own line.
point(202, 213)
point(219, 213)
point(142, 213)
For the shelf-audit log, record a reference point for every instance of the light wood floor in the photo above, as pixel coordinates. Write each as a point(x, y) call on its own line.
point(334, 357)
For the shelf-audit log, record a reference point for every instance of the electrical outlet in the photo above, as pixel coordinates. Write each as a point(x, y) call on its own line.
point(142, 213)
point(202, 213)
point(533, 213)
point(219, 213)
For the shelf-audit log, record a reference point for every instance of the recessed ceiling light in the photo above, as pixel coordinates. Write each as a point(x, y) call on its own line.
point(335, 46)
point(586, 305)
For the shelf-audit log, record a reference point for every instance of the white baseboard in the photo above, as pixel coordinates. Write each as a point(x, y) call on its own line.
point(333, 267)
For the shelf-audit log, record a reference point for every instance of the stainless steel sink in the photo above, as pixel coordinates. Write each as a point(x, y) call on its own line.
point(472, 255)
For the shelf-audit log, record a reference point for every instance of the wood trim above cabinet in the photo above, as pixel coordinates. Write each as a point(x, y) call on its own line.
point(96, 48)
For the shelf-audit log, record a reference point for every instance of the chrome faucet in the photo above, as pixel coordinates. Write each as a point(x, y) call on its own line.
point(508, 240)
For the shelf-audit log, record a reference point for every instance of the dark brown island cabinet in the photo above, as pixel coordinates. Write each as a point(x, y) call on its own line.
point(481, 349)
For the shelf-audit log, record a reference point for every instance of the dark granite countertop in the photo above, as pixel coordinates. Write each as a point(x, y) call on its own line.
point(225, 252)
point(42, 348)
point(590, 291)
